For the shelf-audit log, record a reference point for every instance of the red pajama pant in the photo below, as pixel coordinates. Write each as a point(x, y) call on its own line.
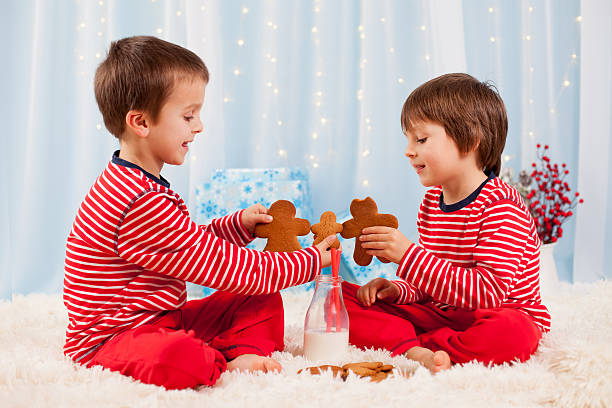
point(486, 335)
point(190, 346)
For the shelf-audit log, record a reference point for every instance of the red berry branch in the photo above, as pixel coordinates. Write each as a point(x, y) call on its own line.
point(550, 199)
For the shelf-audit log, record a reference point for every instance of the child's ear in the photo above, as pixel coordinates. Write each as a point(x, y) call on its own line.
point(138, 122)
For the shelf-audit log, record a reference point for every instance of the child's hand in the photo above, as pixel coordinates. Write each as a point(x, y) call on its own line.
point(377, 289)
point(255, 214)
point(385, 242)
point(323, 248)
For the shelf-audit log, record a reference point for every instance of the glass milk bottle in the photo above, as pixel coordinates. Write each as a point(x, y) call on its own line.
point(326, 327)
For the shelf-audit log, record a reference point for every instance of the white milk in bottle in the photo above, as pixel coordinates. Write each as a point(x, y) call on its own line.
point(326, 327)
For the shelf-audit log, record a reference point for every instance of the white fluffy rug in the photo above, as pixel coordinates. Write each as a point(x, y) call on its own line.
point(572, 368)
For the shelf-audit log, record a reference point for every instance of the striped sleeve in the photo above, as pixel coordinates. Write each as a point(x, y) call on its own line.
point(230, 228)
point(408, 293)
point(502, 241)
point(156, 235)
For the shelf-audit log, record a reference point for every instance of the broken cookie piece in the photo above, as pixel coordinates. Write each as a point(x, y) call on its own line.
point(375, 370)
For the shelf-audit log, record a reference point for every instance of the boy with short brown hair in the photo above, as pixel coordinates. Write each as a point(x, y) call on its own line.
point(470, 289)
point(133, 245)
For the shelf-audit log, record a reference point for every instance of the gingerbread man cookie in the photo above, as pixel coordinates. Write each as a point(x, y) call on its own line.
point(365, 214)
point(284, 229)
point(328, 226)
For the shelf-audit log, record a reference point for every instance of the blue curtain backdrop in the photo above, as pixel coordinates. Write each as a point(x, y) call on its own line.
point(316, 84)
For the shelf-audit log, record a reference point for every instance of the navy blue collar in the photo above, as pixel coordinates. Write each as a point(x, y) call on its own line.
point(448, 208)
point(159, 180)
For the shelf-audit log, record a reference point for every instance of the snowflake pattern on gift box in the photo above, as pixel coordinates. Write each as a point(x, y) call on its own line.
point(218, 176)
point(247, 189)
point(210, 207)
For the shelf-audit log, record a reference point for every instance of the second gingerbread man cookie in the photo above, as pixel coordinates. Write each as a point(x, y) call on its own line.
point(365, 214)
point(284, 229)
point(328, 226)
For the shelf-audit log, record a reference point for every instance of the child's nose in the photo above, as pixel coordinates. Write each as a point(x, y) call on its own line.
point(409, 152)
point(198, 126)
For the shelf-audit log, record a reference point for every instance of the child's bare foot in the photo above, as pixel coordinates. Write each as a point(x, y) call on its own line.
point(434, 361)
point(253, 362)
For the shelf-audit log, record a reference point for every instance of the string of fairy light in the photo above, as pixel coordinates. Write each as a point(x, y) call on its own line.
point(529, 71)
point(270, 59)
point(240, 42)
point(365, 122)
point(97, 25)
point(321, 118)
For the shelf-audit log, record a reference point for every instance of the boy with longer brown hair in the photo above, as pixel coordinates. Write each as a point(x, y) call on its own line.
point(133, 245)
point(470, 289)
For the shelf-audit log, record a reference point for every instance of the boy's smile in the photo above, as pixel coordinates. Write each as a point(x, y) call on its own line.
point(418, 168)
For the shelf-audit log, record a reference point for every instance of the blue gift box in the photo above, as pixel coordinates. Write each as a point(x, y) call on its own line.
point(230, 190)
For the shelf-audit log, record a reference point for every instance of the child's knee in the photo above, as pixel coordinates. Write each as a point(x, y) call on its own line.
point(274, 300)
point(517, 325)
point(497, 336)
point(185, 362)
point(271, 304)
point(349, 292)
point(512, 335)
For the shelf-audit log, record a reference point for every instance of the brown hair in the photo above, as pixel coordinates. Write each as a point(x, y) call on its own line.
point(471, 112)
point(140, 73)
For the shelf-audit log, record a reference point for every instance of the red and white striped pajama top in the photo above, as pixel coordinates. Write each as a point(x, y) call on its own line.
point(133, 246)
point(482, 252)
